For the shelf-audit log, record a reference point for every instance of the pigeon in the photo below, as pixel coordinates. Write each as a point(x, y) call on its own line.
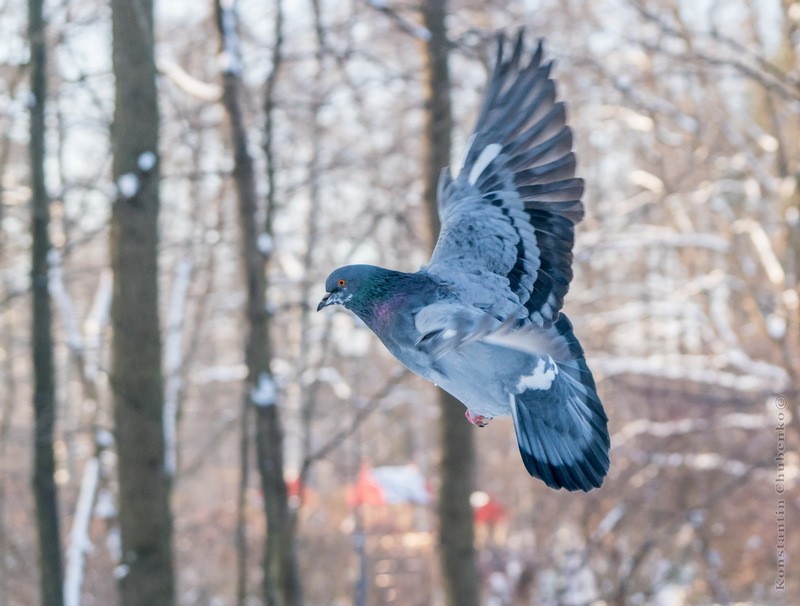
point(483, 319)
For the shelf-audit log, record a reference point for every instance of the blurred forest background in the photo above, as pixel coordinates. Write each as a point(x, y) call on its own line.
point(216, 442)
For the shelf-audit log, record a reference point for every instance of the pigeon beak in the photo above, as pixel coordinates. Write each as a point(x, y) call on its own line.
point(326, 300)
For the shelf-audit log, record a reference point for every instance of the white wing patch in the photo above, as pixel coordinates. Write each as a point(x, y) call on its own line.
point(489, 153)
point(541, 378)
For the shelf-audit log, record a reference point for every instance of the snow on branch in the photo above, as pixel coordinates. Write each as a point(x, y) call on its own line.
point(738, 358)
point(608, 523)
point(680, 369)
point(188, 83)
point(644, 310)
point(95, 323)
point(173, 361)
point(128, 185)
point(417, 31)
point(648, 236)
point(663, 429)
point(220, 374)
point(265, 393)
point(705, 461)
point(230, 58)
point(766, 254)
point(79, 543)
point(59, 293)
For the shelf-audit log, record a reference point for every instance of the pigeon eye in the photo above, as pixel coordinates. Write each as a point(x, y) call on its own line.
point(341, 282)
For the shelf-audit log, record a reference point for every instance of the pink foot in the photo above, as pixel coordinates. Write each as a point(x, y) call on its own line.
point(477, 420)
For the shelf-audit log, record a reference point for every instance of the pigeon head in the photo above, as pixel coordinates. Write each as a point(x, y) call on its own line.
point(349, 285)
point(375, 294)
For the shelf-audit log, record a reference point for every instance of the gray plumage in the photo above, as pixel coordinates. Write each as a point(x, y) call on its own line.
point(483, 319)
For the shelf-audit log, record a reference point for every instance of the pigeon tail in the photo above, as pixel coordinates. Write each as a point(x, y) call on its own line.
point(560, 424)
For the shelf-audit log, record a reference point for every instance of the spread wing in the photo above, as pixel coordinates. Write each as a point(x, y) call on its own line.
point(508, 219)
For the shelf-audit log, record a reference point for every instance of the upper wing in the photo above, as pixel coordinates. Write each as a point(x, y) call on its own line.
point(508, 218)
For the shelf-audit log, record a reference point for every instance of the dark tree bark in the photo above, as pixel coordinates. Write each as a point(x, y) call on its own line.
point(457, 471)
point(44, 402)
point(136, 374)
point(281, 583)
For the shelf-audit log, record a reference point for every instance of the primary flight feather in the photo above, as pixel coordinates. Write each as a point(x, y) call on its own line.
point(483, 319)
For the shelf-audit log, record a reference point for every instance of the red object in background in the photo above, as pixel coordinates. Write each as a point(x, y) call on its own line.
point(294, 488)
point(389, 485)
point(366, 491)
point(490, 512)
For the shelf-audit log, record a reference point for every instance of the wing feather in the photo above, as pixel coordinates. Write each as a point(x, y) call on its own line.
point(511, 211)
point(561, 428)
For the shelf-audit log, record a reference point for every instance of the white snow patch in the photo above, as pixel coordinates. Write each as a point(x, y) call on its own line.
point(792, 216)
point(768, 143)
point(128, 185)
point(53, 257)
point(489, 153)
point(764, 248)
point(420, 33)
point(230, 59)
point(402, 484)
point(94, 324)
point(639, 122)
point(173, 361)
point(478, 498)
point(220, 374)
point(265, 392)
point(647, 180)
point(104, 438)
point(62, 298)
point(340, 387)
point(121, 571)
point(229, 63)
point(114, 542)
point(610, 520)
point(264, 243)
point(540, 378)
point(188, 83)
point(683, 368)
point(776, 326)
point(79, 542)
point(701, 462)
point(146, 161)
point(790, 298)
point(104, 507)
point(173, 355)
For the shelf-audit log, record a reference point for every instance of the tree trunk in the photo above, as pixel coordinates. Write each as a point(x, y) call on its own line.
point(281, 583)
point(147, 575)
point(44, 403)
point(456, 532)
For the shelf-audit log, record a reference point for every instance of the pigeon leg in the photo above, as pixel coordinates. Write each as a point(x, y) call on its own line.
point(477, 420)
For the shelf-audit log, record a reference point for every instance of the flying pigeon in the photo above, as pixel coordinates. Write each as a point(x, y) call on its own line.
point(482, 320)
